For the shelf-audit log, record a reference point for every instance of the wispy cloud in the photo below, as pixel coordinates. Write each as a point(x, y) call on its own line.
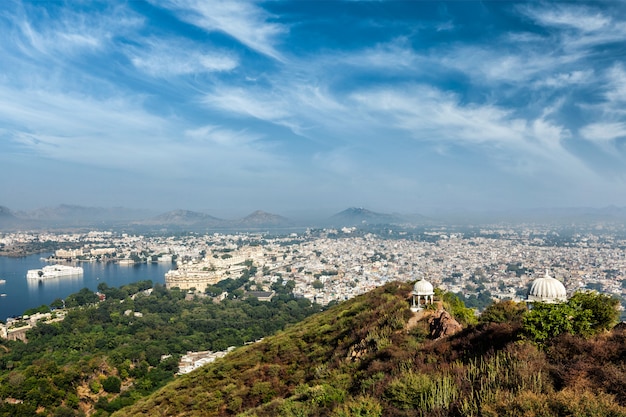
point(577, 26)
point(578, 17)
point(243, 20)
point(69, 33)
point(616, 85)
point(603, 133)
point(165, 58)
point(120, 134)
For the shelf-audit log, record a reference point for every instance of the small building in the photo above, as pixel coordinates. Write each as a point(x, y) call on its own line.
point(422, 289)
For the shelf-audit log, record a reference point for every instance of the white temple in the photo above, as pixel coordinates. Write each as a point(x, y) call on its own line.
point(547, 290)
point(422, 289)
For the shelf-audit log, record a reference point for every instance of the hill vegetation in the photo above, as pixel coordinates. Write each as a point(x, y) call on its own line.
point(106, 355)
point(369, 357)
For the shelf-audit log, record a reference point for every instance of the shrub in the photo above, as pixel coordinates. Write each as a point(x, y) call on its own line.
point(112, 384)
point(359, 407)
point(503, 312)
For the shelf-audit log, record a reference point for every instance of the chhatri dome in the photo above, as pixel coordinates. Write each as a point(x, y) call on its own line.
point(422, 288)
point(547, 290)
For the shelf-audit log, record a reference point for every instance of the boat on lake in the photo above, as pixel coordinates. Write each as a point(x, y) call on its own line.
point(54, 271)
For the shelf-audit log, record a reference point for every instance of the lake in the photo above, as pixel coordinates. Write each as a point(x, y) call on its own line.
point(22, 294)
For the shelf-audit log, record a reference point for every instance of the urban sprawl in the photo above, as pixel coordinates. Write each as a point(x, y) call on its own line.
point(327, 265)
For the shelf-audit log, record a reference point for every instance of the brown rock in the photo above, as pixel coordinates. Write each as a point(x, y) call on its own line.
point(442, 324)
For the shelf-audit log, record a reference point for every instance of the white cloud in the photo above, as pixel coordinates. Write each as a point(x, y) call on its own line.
point(221, 136)
point(120, 134)
point(602, 133)
point(616, 85)
point(565, 79)
point(243, 20)
point(259, 104)
point(396, 55)
point(163, 58)
point(71, 32)
point(431, 116)
point(577, 27)
point(581, 18)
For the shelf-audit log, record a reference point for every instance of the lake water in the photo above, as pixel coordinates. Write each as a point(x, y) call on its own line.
point(22, 294)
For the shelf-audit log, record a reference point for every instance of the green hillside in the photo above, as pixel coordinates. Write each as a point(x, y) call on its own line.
point(105, 355)
point(370, 356)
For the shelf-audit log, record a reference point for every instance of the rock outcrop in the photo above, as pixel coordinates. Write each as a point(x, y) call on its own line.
point(442, 324)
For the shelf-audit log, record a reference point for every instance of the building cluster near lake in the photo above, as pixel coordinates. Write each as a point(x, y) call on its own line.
point(328, 265)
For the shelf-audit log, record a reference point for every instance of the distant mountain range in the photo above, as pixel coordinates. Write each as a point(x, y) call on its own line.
point(65, 215)
point(198, 220)
point(71, 216)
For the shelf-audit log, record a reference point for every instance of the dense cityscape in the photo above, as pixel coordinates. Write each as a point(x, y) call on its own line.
point(326, 265)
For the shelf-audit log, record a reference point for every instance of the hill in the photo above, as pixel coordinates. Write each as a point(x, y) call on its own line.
point(261, 218)
point(183, 218)
point(355, 216)
point(370, 356)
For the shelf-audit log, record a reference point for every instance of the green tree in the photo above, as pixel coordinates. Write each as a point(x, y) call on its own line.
point(603, 308)
point(503, 312)
point(585, 314)
point(457, 308)
point(112, 384)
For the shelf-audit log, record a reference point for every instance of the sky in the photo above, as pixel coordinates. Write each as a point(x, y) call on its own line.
point(294, 106)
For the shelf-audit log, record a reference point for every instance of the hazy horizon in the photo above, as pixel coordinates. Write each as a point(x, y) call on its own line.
point(287, 107)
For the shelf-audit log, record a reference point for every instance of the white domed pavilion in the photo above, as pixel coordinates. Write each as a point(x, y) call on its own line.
point(422, 288)
point(547, 290)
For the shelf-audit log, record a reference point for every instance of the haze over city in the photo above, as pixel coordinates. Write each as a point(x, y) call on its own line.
point(233, 106)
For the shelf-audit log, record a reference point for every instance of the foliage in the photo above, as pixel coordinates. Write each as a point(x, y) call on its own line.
point(102, 347)
point(604, 313)
point(41, 309)
point(455, 306)
point(112, 384)
point(357, 359)
point(585, 314)
point(503, 312)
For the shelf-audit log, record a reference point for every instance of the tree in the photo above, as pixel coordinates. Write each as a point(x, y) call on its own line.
point(457, 308)
point(503, 312)
point(81, 298)
point(604, 313)
point(586, 313)
point(112, 384)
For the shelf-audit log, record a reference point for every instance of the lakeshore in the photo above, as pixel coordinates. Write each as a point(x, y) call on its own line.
point(22, 294)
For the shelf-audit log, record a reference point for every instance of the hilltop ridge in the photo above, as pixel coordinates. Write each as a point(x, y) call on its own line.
point(363, 358)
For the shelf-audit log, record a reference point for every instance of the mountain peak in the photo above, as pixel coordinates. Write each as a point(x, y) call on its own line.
point(358, 215)
point(260, 218)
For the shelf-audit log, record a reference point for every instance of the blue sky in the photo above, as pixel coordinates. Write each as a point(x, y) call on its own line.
point(228, 106)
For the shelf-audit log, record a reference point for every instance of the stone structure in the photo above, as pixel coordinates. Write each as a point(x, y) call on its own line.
point(422, 289)
point(547, 290)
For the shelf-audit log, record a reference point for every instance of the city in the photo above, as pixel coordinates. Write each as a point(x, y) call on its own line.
point(331, 265)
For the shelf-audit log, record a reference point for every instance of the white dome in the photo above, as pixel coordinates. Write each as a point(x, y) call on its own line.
point(423, 287)
point(547, 290)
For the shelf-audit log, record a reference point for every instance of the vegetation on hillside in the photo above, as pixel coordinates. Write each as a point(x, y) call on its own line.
point(368, 356)
point(106, 355)
point(364, 358)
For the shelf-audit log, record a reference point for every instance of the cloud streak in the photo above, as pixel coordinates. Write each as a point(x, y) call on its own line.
point(243, 20)
point(264, 95)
